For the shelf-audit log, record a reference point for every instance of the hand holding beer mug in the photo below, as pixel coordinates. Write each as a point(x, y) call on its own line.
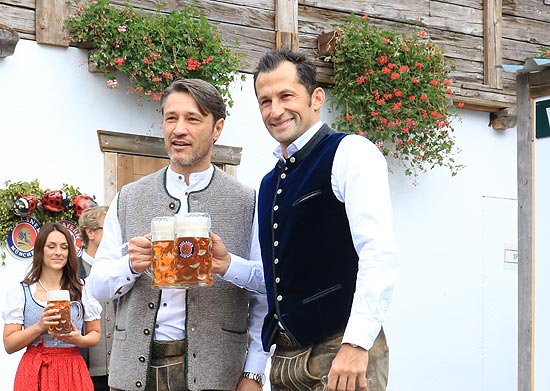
point(163, 266)
point(193, 250)
point(61, 301)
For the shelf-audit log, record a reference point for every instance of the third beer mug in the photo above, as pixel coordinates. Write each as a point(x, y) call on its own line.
point(62, 302)
point(193, 251)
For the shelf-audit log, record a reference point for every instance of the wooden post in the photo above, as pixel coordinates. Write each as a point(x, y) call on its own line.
point(50, 22)
point(526, 264)
point(286, 24)
point(492, 42)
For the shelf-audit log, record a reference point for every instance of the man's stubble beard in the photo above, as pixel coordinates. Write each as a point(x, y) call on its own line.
point(188, 161)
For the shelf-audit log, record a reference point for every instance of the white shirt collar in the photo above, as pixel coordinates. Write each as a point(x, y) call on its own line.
point(299, 143)
point(177, 188)
point(88, 258)
point(197, 180)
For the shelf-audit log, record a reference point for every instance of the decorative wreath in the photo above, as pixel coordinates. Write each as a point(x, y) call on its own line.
point(21, 200)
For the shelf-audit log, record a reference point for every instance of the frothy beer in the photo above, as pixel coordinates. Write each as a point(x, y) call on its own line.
point(193, 250)
point(162, 238)
point(62, 302)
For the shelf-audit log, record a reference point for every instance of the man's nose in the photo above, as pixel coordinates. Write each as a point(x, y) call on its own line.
point(277, 109)
point(181, 127)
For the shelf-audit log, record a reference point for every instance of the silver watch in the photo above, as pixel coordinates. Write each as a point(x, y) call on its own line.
point(257, 377)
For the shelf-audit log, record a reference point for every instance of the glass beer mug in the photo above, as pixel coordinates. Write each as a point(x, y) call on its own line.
point(193, 250)
point(163, 268)
point(62, 301)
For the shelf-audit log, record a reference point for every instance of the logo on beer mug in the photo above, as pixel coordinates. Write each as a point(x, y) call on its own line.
point(187, 249)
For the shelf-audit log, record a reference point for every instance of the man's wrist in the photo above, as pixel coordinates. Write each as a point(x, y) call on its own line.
point(257, 377)
point(355, 346)
point(134, 272)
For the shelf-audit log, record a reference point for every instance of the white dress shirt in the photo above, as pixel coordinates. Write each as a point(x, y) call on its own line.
point(112, 274)
point(360, 180)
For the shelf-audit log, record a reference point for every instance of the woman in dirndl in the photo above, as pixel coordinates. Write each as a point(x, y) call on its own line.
point(51, 362)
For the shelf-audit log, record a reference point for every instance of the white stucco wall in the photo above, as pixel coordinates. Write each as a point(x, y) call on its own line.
point(453, 323)
point(542, 261)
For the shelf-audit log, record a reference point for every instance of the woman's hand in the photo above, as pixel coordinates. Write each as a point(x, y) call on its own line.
point(73, 338)
point(50, 317)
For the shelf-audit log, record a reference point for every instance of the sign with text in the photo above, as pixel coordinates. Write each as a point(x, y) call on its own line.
point(542, 118)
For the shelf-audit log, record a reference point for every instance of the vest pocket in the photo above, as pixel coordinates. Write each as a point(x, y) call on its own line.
point(321, 294)
point(307, 196)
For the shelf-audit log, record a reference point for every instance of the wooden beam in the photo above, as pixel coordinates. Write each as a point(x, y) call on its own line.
point(504, 119)
point(526, 264)
point(492, 40)
point(135, 144)
point(8, 40)
point(539, 84)
point(286, 24)
point(325, 44)
point(50, 22)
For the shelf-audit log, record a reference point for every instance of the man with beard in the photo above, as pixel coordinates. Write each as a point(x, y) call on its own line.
point(203, 338)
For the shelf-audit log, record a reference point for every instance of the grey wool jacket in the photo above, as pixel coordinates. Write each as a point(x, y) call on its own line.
point(216, 318)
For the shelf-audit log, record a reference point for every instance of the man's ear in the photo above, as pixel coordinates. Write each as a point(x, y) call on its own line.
point(218, 127)
point(318, 98)
point(90, 232)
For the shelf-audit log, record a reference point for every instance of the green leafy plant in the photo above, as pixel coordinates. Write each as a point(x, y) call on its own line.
point(393, 88)
point(153, 49)
point(544, 52)
point(15, 190)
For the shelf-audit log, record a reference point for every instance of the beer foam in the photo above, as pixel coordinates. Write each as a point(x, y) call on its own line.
point(162, 228)
point(192, 224)
point(58, 295)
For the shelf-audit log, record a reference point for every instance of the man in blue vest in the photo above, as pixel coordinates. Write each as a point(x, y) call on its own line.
point(326, 237)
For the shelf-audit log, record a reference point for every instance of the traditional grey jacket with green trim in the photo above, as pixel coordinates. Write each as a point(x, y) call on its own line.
point(216, 323)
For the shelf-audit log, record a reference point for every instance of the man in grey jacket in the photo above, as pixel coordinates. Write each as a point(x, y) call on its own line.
point(204, 338)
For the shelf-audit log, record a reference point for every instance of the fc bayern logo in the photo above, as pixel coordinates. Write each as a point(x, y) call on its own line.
point(22, 237)
point(75, 233)
point(186, 249)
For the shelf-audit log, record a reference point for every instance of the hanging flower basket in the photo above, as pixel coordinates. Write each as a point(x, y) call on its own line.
point(394, 89)
point(153, 49)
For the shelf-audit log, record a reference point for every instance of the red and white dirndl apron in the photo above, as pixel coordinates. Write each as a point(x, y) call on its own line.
point(52, 369)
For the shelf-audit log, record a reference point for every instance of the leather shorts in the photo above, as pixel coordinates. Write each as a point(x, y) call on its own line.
point(295, 368)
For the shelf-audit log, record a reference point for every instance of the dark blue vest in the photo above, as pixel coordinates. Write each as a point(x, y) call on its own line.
point(310, 263)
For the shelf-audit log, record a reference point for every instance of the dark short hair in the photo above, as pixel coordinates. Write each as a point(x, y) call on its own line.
point(305, 69)
point(205, 94)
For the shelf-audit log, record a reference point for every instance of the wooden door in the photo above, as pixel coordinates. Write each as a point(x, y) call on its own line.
point(133, 167)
